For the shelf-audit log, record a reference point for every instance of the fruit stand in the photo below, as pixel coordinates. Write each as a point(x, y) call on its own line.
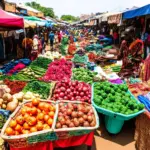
point(53, 103)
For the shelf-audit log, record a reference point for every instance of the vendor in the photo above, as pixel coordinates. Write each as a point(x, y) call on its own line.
point(131, 51)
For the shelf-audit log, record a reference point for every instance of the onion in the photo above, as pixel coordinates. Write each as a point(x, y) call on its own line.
point(90, 119)
point(76, 123)
point(69, 111)
point(7, 97)
point(11, 106)
point(62, 121)
point(81, 120)
point(58, 125)
point(74, 114)
point(85, 117)
point(71, 125)
point(93, 124)
point(68, 122)
point(64, 126)
point(80, 114)
point(86, 124)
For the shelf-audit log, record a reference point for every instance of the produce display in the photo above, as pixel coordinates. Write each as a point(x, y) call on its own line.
point(75, 90)
point(28, 72)
point(41, 62)
point(3, 119)
point(58, 70)
point(51, 55)
point(80, 59)
point(115, 98)
point(84, 75)
point(72, 115)
point(139, 88)
point(7, 101)
point(32, 117)
point(15, 86)
point(38, 87)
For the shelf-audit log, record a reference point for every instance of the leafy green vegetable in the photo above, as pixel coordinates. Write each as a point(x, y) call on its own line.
point(38, 87)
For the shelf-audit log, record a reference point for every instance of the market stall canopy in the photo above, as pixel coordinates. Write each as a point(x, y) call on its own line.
point(32, 18)
point(10, 21)
point(104, 17)
point(115, 18)
point(28, 24)
point(145, 10)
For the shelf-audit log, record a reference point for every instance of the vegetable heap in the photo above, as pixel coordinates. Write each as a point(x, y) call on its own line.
point(33, 117)
point(84, 75)
point(41, 62)
point(75, 115)
point(38, 87)
point(3, 119)
point(67, 90)
point(15, 86)
point(58, 70)
point(80, 59)
point(115, 98)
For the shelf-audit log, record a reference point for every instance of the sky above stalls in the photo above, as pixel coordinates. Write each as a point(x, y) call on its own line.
point(78, 7)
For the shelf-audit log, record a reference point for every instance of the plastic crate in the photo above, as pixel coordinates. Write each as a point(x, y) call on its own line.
point(114, 121)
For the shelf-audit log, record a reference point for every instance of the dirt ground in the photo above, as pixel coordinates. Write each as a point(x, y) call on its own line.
point(105, 141)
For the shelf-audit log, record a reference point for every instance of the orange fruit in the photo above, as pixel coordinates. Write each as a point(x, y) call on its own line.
point(39, 126)
point(50, 122)
point(46, 126)
point(40, 116)
point(33, 129)
point(51, 114)
point(26, 126)
point(46, 117)
point(35, 102)
point(25, 131)
point(31, 121)
point(20, 120)
point(9, 131)
point(13, 123)
point(18, 128)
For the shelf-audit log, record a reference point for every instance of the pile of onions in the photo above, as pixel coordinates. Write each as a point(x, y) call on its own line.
point(75, 115)
point(72, 90)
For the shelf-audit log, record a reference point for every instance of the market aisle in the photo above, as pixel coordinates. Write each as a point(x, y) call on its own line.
point(104, 141)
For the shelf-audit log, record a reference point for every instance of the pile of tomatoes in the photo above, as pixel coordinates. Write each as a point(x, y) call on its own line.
point(33, 116)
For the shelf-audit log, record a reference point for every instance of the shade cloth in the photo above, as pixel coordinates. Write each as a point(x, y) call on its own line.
point(145, 10)
point(10, 21)
point(73, 141)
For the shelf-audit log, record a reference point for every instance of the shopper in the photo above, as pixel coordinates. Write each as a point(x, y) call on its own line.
point(131, 51)
point(51, 38)
point(35, 49)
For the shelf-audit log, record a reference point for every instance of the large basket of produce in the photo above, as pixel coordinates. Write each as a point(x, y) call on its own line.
point(72, 90)
point(31, 123)
point(116, 103)
point(75, 118)
point(38, 87)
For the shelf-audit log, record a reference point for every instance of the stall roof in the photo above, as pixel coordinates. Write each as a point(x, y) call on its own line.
point(8, 20)
point(145, 10)
point(32, 18)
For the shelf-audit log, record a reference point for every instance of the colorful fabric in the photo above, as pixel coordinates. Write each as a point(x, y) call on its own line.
point(131, 56)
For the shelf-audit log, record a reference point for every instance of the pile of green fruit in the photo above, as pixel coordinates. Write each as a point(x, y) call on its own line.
point(80, 59)
point(115, 98)
point(84, 75)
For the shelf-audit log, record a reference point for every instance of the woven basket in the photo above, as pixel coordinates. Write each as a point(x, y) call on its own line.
point(26, 140)
point(65, 133)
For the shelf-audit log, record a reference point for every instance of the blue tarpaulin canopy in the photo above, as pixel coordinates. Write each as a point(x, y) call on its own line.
point(145, 10)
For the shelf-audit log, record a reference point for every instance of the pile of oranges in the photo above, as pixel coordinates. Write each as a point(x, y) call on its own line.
point(33, 116)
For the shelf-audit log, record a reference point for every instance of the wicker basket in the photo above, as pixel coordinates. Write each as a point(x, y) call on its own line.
point(26, 140)
point(65, 133)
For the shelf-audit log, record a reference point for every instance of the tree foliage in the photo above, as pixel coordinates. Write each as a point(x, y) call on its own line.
point(46, 10)
point(69, 18)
